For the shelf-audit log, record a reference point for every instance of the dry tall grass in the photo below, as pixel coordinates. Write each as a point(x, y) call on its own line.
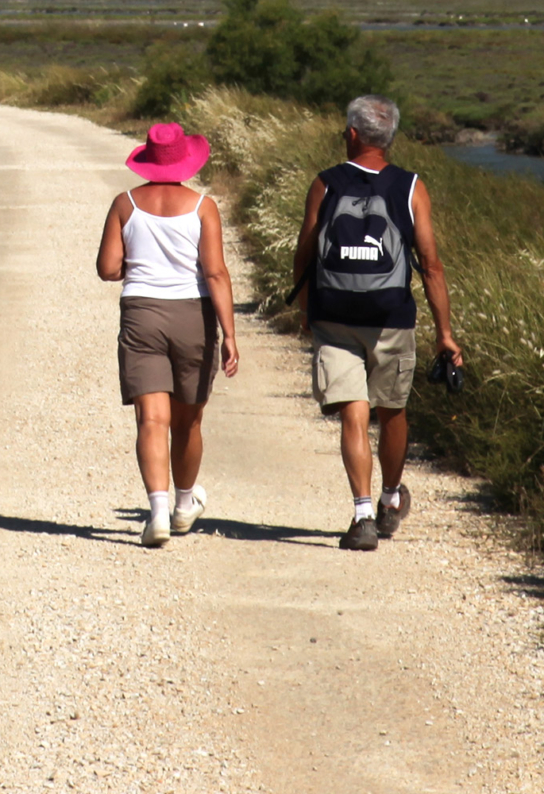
point(63, 86)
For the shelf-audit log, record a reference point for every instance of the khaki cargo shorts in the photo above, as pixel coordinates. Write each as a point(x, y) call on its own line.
point(353, 363)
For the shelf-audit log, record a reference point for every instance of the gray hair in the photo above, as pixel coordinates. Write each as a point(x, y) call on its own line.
point(375, 118)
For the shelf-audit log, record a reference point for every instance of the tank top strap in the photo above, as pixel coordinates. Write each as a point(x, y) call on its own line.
point(200, 200)
point(129, 194)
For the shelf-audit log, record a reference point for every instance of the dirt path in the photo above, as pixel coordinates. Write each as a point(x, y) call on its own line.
point(252, 655)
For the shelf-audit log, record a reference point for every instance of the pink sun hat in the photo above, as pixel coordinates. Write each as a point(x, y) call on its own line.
point(169, 155)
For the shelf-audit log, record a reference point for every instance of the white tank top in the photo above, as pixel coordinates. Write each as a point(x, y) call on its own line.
point(161, 255)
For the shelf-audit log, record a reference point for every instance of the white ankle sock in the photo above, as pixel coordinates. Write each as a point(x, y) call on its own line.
point(184, 499)
point(158, 501)
point(390, 497)
point(363, 508)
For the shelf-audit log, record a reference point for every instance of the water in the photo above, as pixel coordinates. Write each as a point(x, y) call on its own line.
point(412, 27)
point(491, 159)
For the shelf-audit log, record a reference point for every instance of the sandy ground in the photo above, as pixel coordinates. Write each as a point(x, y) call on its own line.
point(251, 655)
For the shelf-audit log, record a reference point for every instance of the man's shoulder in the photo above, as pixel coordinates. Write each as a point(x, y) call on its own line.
point(350, 171)
point(334, 172)
point(394, 174)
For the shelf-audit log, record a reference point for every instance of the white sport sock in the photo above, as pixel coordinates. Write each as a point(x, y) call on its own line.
point(390, 497)
point(158, 501)
point(184, 499)
point(363, 508)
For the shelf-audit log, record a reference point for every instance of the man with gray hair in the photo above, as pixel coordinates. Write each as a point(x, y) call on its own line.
point(361, 221)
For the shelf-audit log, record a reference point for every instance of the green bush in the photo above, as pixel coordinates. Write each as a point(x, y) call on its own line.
point(427, 124)
point(337, 65)
point(172, 75)
point(526, 135)
point(268, 47)
point(256, 47)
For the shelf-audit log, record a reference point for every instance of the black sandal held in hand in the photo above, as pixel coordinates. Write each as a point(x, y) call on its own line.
point(443, 370)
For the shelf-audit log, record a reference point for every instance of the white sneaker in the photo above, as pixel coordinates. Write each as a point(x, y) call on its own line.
point(183, 520)
point(156, 532)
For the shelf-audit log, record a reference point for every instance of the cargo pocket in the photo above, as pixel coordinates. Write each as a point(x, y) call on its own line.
point(319, 377)
point(403, 381)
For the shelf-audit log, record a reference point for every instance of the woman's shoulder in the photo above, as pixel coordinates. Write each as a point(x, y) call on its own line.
point(122, 207)
point(121, 199)
point(207, 206)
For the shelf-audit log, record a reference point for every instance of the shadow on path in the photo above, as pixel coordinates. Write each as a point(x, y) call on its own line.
point(234, 530)
point(14, 524)
point(239, 530)
point(526, 585)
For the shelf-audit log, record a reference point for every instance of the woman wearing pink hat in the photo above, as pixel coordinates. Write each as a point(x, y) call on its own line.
point(163, 240)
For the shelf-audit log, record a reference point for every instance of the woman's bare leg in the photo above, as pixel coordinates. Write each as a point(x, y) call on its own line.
point(186, 448)
point(153, 417)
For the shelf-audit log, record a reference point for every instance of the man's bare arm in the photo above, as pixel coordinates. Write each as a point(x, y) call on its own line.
point(434, 281)
point(307, 239)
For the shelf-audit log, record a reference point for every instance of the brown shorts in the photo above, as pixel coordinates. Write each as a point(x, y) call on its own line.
point(353, 363)
point(168, 346)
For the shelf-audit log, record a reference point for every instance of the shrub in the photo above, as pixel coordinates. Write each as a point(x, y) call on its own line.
point(171, 76)
point(526, 135)
point(337, 65)
point(257, 47)
point(428, 125)
point(268, 47)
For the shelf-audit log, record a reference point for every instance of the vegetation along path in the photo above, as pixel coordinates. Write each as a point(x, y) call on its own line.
point(251, 655)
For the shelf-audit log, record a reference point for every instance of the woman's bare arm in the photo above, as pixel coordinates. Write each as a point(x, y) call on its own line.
point(218, 281)
point(111, 254)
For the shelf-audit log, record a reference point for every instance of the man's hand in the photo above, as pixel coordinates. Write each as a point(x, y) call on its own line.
point(448, 343)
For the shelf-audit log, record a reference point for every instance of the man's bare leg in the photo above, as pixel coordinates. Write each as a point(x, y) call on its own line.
point(393, 444)
point(394, 503)
point(357, 456)
point(355, 446)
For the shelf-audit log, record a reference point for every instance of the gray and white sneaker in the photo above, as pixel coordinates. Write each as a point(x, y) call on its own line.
point(183, 520)
point(389, 518)
point(361, 536)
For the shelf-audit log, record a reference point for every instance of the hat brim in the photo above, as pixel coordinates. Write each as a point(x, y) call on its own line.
point(198, 152)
